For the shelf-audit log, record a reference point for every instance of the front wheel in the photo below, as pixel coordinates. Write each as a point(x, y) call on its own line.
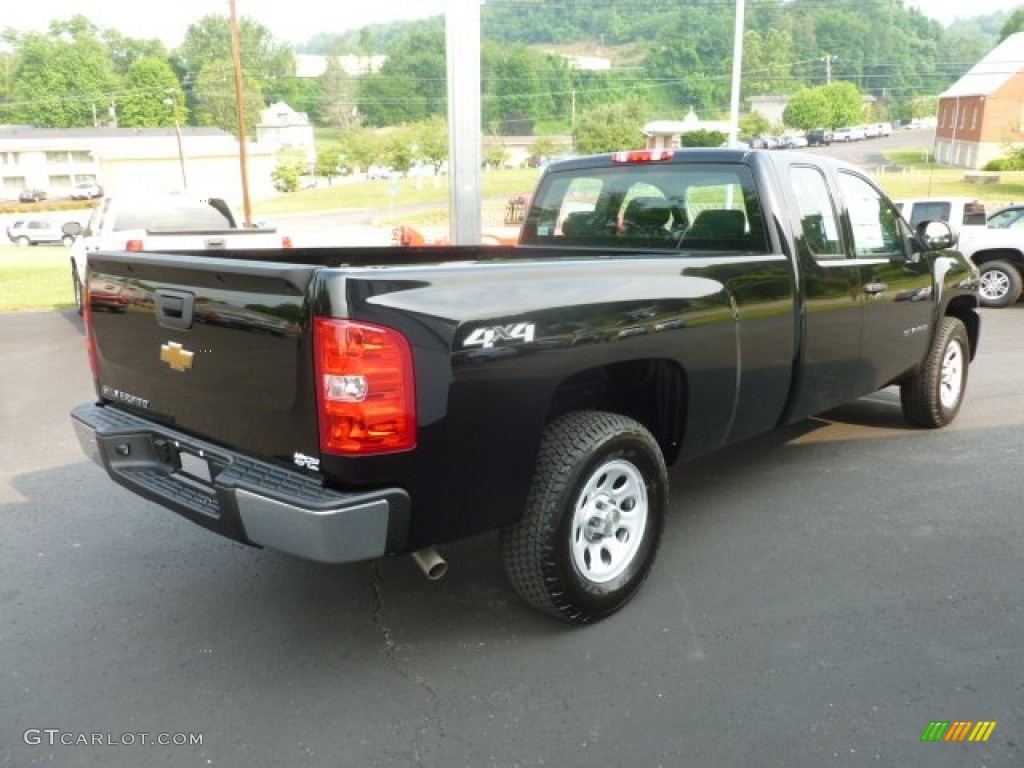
point(1000, 284)
point(593, 520)
point(23, 241)
point(931, 398)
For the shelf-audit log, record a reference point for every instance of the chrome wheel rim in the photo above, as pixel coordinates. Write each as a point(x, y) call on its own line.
point(952, 379)
point(994, 285)
point(609, 521)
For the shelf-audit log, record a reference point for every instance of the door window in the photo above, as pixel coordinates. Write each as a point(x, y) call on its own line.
point(873, 220)
point(818, 219)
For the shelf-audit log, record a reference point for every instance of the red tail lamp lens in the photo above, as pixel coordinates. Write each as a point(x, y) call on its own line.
point(365, 388)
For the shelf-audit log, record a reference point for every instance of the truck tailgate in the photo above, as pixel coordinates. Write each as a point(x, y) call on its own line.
point(217, 348)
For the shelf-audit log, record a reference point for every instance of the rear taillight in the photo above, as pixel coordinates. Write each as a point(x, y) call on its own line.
point(286, 242)
point(366, 393)
point(135, 245)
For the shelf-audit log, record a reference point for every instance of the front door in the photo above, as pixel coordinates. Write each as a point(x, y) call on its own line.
point(896, 286)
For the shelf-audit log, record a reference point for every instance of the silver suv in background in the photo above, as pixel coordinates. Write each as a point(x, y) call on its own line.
point(36, 230)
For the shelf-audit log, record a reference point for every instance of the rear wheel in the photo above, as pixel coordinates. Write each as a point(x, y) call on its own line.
point(932, 397)
point(1000, 284)
point(593, 520)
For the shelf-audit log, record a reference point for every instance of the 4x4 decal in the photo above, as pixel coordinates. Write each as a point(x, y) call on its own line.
point(486, 337)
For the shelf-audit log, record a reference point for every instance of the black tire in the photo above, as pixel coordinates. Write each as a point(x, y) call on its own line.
point(1000, 284)
point(77, 287)
point(932, 397)
point(594, 518)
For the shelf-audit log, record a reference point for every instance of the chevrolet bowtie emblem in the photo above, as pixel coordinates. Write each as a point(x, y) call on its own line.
point(176, 356)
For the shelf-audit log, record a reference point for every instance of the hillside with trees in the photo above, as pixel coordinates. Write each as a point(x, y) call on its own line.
point(667, 58)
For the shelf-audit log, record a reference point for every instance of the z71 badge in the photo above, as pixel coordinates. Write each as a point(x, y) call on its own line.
point(486, 337)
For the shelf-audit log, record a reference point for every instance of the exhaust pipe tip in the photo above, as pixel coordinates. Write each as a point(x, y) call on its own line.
point(429, 560)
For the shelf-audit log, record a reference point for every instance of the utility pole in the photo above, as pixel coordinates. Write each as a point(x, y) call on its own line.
point(173, 101)
point(243, 160)
point(462, 43)
point(737, 70)
point(828, 67)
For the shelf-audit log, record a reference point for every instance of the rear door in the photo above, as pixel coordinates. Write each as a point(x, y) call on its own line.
point(830, 366)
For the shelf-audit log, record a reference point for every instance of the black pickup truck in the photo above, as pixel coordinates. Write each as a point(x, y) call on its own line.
point(342, 404)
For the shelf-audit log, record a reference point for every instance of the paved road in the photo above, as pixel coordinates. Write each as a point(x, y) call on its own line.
point(822, 595)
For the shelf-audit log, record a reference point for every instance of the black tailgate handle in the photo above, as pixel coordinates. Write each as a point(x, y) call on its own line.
point(174, 309)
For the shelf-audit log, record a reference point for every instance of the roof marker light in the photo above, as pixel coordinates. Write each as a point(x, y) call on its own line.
point(643, 156)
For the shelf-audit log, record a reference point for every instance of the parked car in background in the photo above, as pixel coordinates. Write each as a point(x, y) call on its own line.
point(1010, 217)
point(958, 212)
point(36, 230)
point(31, 195)
point(849, 133)
point(792, 140)
point(764, 141)
point(997, 251)
point(819, 137)
point(175, 223)
point(87, 190)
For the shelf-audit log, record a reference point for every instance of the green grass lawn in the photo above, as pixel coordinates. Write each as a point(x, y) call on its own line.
point(36, 277)
point(380, 194)
point(920, 178)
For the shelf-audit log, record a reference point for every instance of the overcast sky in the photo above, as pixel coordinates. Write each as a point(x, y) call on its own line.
point(297, 21)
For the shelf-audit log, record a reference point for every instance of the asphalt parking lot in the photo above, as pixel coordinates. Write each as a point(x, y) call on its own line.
point(821, 596)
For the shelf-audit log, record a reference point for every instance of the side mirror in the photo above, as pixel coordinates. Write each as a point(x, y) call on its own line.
point(72, 228)
point(936, 235)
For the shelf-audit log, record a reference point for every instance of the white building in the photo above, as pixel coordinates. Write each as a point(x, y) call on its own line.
point(283, 128)
point(667, 134)
point(131, 160)
point(311, 65)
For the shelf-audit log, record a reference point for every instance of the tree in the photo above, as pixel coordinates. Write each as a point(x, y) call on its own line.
point(411, 86)
point(338, 97)
point(64, 78)
point(327, 163)
point(361, 148)
point(152, 92)
point(431, 138)
point(827, 106)
point(611, 127)
point(767, 62)
point(1012, 25)
point(543, 147)
point(125, 51)
point(846, 104)
point(268, 66)
point(514, 89)
point(288, 172)
point(703, 138)
point(216, 101)
point(755, 124)
point(809, 109)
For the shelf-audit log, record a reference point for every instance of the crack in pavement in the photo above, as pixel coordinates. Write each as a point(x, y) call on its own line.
point(390, 654)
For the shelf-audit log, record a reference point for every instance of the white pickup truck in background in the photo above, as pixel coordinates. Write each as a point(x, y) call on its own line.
point(994, 243)
point(165, 223)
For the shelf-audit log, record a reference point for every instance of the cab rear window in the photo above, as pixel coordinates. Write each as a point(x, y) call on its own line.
point(675, 207)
